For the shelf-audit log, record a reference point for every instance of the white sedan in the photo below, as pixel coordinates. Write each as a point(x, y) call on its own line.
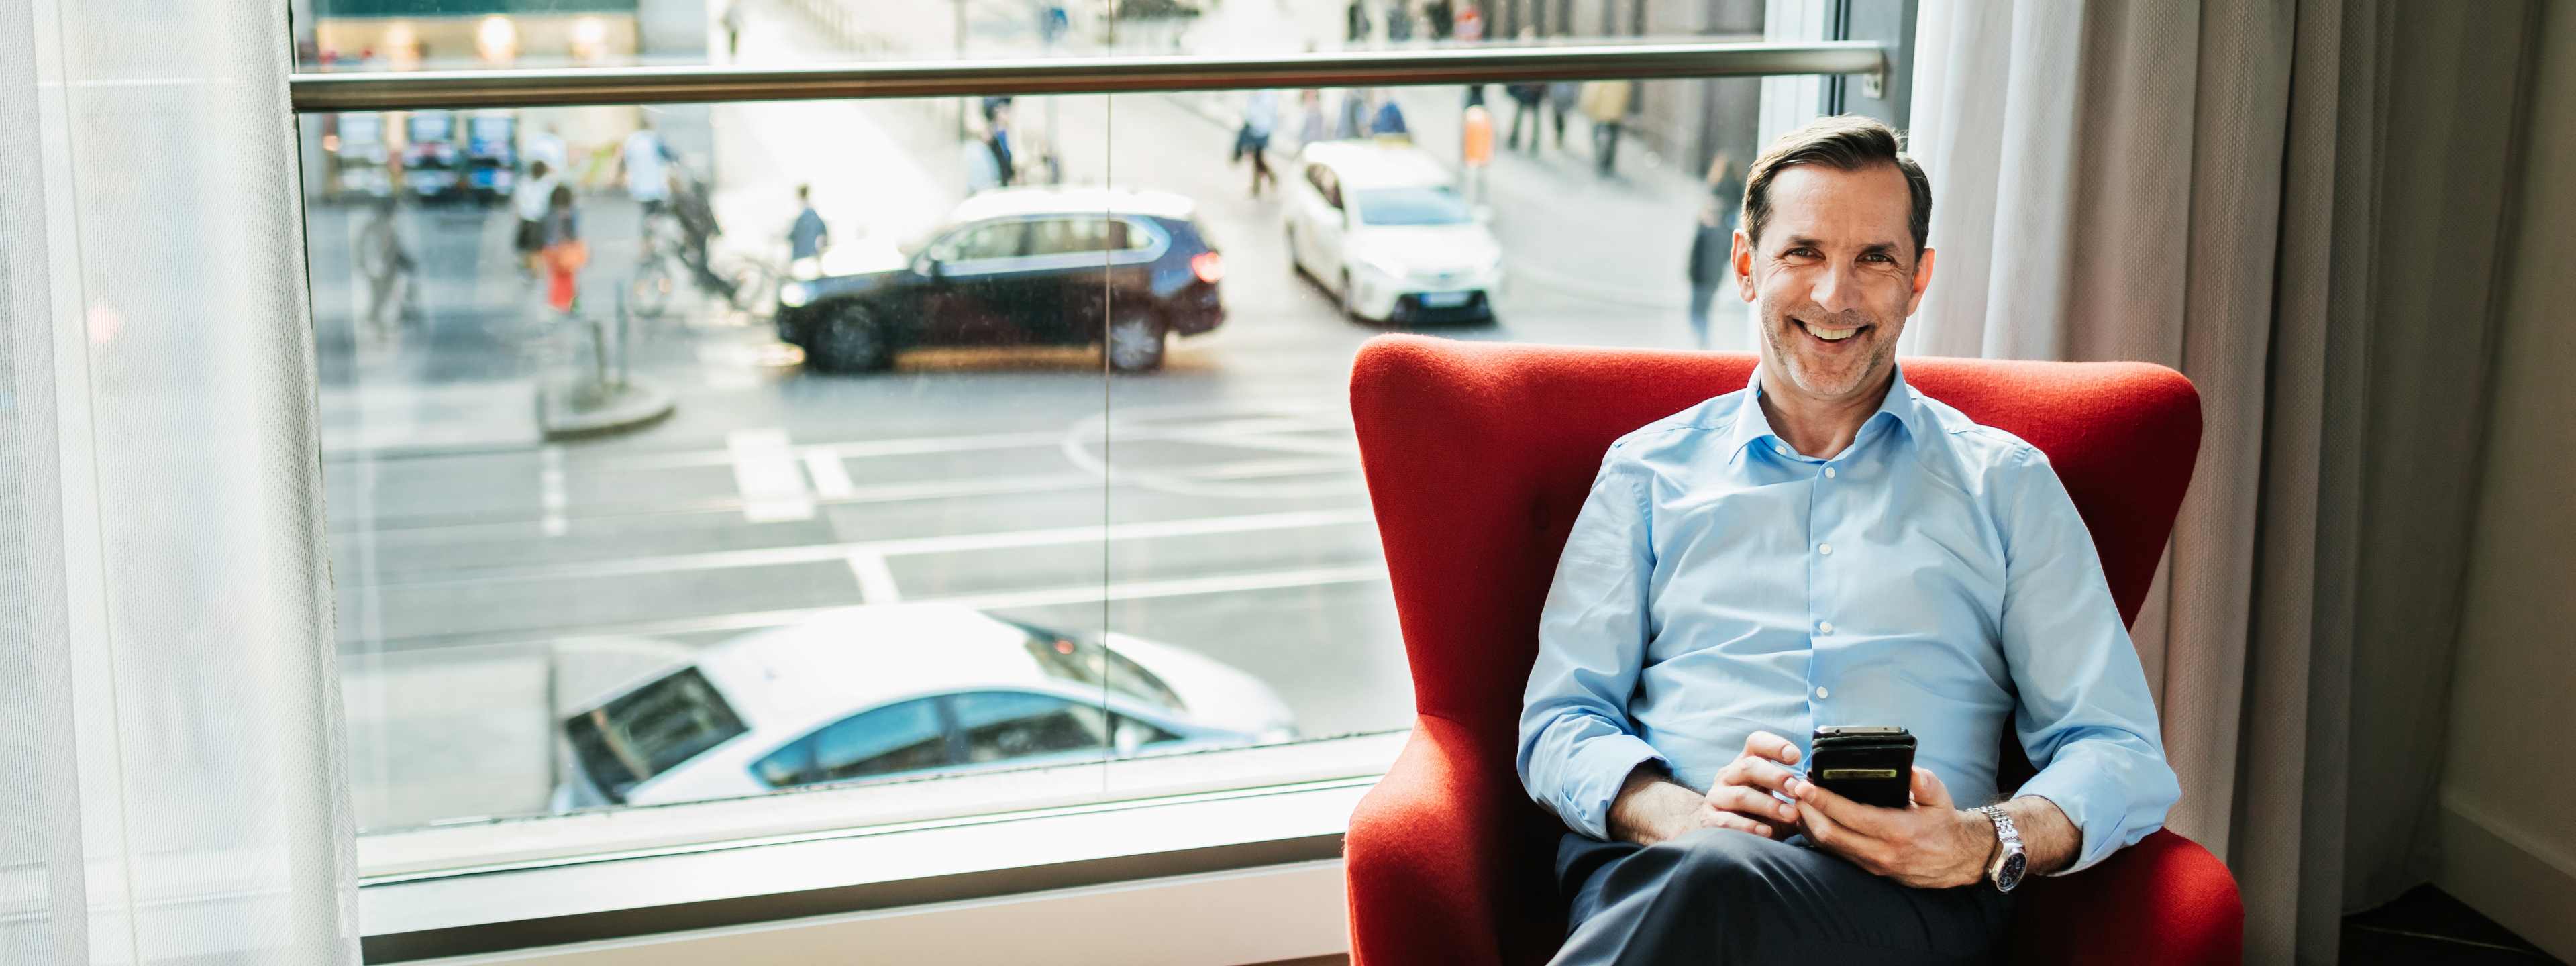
point(1377, 223)
point(887, 691)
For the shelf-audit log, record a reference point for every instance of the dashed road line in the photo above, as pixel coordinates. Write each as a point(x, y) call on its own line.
point(765, 471)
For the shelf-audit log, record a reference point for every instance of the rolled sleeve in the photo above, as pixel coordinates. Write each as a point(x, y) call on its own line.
point(1577, 744)
point(2085, 714)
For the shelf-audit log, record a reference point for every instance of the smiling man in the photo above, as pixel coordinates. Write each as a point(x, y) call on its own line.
point(1828, 547)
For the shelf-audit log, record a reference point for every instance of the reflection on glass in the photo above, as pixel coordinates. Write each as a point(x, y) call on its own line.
point(918, 437)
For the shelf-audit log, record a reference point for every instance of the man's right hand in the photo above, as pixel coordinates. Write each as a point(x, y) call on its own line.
point(1653, 807)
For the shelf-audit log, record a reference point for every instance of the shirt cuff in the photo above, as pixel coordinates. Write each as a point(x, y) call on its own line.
point(1599, 770)
point(2098, 817)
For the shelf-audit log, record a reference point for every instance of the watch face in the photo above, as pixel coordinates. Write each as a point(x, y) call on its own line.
point(2010, 874)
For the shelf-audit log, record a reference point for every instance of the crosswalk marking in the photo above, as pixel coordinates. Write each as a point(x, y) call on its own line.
point(765, 470)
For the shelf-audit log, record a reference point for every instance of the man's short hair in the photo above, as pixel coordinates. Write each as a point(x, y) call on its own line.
point(1847, 142)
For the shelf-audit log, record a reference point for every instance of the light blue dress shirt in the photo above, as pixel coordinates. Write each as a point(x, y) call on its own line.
point(1933, 575)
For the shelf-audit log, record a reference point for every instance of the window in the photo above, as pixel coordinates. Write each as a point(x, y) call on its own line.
point(1099, 501)
point(898, 738)
point(642, 734)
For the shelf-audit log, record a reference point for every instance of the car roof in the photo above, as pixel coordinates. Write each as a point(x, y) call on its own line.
point(1379, 164)
point(1084, 199)
point(849, 658)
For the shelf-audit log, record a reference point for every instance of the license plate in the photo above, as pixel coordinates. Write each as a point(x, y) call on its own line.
point(1444, 300)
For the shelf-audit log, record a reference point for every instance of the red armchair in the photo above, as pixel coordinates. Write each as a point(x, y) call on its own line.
point(1478, 456)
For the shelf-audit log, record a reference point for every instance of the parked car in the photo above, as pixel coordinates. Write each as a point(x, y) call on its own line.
point(1015, 266)
point(901, 690)
point(1376, 223)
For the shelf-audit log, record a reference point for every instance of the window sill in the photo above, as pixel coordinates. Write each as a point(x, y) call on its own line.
point(856, 849)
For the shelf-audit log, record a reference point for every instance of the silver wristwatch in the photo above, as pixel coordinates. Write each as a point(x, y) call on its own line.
point(2010, 861)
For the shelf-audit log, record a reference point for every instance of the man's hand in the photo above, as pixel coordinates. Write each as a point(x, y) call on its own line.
point(1931, 844)
point(1652, 807)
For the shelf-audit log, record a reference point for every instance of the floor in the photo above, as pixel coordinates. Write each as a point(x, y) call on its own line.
point(2426, 927)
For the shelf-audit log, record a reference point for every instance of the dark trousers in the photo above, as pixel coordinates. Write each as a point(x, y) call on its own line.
point(1723, 897)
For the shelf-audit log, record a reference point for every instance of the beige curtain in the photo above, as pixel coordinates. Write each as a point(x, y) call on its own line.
point(2298, 203)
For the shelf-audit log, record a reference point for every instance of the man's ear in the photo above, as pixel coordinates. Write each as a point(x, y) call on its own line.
point(1740, 258)
point(1922, 280)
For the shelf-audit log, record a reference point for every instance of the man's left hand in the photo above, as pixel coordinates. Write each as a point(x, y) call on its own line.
point(1928, 844)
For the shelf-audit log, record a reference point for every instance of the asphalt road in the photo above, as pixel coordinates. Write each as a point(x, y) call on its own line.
point(484, 577)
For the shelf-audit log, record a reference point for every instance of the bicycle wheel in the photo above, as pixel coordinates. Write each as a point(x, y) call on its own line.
point(755, 285)
point(649, 295)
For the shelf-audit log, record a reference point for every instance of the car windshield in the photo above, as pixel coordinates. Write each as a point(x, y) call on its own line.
point(1411, 206)
point(650, 729)
point(1087, 663)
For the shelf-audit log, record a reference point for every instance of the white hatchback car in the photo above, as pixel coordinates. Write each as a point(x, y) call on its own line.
point(897, 690)
point(1377, 223)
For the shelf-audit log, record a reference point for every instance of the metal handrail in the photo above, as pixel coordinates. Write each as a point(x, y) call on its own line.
point(1071, 75)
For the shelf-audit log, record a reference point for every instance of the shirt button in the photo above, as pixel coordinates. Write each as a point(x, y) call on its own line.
point(1782, 450)
point(1825, 626)
point(1825, 548)
point(1829, 472)
point(1822, 693)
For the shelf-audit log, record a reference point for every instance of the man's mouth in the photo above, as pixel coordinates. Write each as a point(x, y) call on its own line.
point(1829, 335)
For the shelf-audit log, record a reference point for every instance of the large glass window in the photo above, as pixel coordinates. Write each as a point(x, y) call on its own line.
point(691, 452)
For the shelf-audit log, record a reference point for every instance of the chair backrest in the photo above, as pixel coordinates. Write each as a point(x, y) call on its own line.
point(1479, 455)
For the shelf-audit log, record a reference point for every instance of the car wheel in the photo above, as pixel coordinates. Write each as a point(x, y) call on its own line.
point(850, 340)
point(1135, 341)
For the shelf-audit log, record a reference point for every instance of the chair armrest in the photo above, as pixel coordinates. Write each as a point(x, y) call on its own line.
point(2164, 900)
point(1449, 862)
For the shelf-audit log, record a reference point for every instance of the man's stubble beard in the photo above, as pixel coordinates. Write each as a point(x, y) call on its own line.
point(1777, 331)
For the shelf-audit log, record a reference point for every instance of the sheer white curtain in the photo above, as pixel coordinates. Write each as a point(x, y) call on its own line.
point(2299, 204)
point(169, 720)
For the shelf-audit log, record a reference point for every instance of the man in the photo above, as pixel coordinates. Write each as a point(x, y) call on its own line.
point(1827, 547)
point(530, 202)
point(807, 237)
point(1606, 104)
point(648, 170)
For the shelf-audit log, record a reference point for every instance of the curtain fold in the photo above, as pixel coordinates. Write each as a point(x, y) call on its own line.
point(171, 760)
point(2301, 205)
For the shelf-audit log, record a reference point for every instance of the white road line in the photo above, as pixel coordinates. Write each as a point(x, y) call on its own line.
point(876, 580)
point(831, 477)
point(1085, 593)
point(821, 552)
point(916, 446)
point(764, 469)
point(550, 490)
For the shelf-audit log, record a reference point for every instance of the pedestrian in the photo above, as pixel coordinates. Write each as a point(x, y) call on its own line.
point(647, 167)
point(1726, 185)
point(1525, 108)
point(1471, 25)
point(998, 141)
point(1606, 103)
point(1389, 119)
point(1260, 117)
point(1355, 114)
point(1476, 144)
point(529, 202)
point(565, 253)
point(548, 146)
point(1311, 129)
point(808, 236)
point(1399, 21)
point(733, 24)
point(1711, 243)
point(1441, 15)
point(1356, 18)
point(1561, 97)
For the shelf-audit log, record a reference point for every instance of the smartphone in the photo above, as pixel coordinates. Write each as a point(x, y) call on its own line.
point(1869, 764)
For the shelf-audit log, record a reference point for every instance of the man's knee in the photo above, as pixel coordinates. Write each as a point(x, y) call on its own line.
point(1728, 866)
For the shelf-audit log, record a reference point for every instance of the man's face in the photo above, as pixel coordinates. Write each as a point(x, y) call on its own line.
point(1834, 276)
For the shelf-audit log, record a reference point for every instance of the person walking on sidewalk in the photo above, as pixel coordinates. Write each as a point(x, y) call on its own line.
point(564, 254)
point(529, 202)
point(1561, 98)
point(1526, 99)
point(1311, 129)
point(1714, 241)
point(808, 236)
point(1354, 114)
point(1390, 118)
point(1260, 117)
point(1606, 103)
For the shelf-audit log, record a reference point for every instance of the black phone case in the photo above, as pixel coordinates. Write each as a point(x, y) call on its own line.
point(1870, 769)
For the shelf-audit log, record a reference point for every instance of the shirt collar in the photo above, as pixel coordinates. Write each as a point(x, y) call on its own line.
point(1752, 426)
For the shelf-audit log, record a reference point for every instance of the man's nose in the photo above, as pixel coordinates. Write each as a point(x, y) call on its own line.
point(1836, 288)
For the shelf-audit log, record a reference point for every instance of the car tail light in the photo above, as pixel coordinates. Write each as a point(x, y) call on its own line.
point(1208, 266)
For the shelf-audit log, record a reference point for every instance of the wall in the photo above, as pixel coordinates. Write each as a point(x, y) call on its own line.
point(2508, 830)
